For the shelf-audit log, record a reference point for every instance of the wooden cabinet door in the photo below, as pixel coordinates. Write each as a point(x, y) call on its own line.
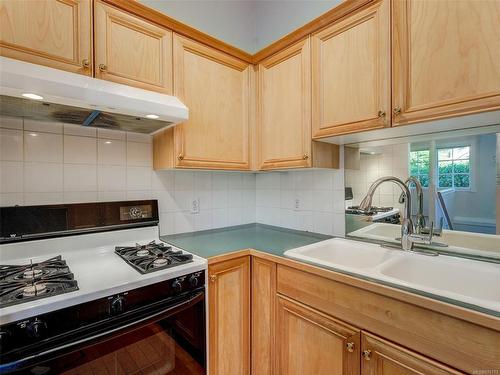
point(309, 342)
point(284, 108)
point(446, 58)
point(351, 73)
point(131, 51)
point(263, 300)
point(380, 357)
point(215, 88)
point(54, 33)
point(229, 317)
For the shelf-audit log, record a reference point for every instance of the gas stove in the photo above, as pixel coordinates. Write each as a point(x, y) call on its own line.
point(76, 276)
point(152, 256)
point(22, 283)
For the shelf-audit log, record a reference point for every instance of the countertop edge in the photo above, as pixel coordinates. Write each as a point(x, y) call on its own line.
point(462, 313)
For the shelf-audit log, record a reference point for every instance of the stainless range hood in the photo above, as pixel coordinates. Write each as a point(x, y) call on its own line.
point(82, 100)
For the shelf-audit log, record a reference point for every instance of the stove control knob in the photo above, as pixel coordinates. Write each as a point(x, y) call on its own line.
point(117, 305)
point(193, 280)
point(37, 328)
point(177, 286)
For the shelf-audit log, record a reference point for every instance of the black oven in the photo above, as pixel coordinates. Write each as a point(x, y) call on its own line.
point(156, 329)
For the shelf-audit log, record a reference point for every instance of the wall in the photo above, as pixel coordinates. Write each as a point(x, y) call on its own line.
point(247, 24)
point(48, 163)
point(391, 160)
point(275, 19)
point(310, 200)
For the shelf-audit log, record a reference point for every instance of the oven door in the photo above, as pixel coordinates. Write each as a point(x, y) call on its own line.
point(168, 341)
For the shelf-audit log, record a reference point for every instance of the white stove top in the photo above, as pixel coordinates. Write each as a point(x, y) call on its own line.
point(97, 269)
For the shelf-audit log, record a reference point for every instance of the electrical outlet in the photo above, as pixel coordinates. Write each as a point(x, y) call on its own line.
point(297, 204)
point(195, 206)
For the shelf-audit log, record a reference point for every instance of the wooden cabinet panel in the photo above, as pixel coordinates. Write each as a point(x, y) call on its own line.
point(431, 333)
point(54, 33)
point(131, 51)
point(446, 58)
point(380, 357)
point(263, 299)
point(229, 317)
point(284, 125)
point(311, 343)
point(215, 88)
point(351, 73)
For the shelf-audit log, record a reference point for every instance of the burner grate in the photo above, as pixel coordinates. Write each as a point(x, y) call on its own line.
point(22, 283)
point(152, 256)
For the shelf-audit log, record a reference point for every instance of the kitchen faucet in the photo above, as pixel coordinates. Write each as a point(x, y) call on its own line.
point(408, 238)
point(420, 219)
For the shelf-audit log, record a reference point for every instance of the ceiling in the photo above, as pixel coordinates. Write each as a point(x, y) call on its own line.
point(247, 24)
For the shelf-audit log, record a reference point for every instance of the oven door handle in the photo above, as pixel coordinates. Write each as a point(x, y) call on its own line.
point(164, 313)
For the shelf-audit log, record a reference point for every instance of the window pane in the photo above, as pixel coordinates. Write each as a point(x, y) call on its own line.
point(445, 154)
point(461, 180)
point(445, 167)
point(445, 180)
point(424, 181)
point(413, 169)
point(424, 168)
point(461, 152)
point(461, 166)
point(423, 156)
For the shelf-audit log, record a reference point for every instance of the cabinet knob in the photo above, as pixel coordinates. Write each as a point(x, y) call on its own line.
point(85, 63)
point(305, 157)
point(213, 278)
point(103, 67)
point(381, 114)
point(350, 347)
point(367, 354)
point(180, 156)
point(397, 110)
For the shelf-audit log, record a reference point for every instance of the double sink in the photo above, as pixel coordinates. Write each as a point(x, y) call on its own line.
point(463, 280)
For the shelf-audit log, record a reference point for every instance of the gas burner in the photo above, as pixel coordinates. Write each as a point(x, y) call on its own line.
point(355, 210)
point(32, 273)
point(160, 262)
point(34, 290)
point(142, 253)
point(152, 256)
point(22, 283)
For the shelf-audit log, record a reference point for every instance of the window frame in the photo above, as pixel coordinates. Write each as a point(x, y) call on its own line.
point(472, 167)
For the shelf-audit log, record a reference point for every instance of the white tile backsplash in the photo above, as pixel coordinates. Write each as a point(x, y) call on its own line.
point(80, 150)
point(111, 152)
point(11, 144)
point(309, 200)
point(43, 147)
point(67, 163)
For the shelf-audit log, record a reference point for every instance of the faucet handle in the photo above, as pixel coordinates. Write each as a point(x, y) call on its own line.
point(422, 239)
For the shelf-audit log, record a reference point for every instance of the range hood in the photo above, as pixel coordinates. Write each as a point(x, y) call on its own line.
point(78, 99)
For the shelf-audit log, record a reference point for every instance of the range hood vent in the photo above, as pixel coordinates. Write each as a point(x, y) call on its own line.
point(77, 99)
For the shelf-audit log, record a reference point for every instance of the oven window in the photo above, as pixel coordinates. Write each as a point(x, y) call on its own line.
point(153, 349)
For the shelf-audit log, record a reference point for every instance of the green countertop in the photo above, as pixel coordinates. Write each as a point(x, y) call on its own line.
point(275, 240)
point(272, 240)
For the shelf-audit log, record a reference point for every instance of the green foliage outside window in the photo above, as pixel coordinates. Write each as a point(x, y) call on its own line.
point(453, 167)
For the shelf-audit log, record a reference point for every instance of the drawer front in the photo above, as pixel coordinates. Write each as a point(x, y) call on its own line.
point(464, 345)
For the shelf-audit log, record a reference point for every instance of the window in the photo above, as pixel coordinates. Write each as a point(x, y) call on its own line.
point(454, 167)
point(419, 166)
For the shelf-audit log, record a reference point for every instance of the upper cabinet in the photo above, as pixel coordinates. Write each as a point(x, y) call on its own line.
point(54, 33)
point(284, 108)
point(446, 58)
point(131, 51)
point(216, 89)
point(351, 73)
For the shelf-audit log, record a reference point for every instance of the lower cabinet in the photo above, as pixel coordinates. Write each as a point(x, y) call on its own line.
point(229, 317)
point(380, 357)
point(310, 342)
